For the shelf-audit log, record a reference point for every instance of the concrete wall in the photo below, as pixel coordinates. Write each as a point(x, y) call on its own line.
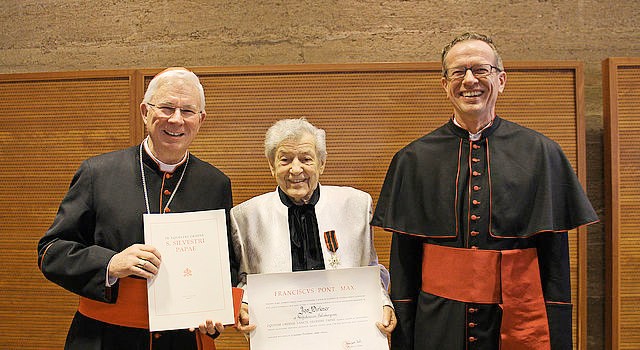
point(66, 35)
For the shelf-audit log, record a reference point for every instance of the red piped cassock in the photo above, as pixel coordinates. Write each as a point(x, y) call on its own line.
point(100, 216)
point(479, 257)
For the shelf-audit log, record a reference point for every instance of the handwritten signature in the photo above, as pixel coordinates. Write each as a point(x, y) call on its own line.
point(310, 310)
point(352, 344)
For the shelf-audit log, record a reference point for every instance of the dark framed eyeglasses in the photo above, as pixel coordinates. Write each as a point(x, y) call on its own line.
point(169, 111)
point(478, 71)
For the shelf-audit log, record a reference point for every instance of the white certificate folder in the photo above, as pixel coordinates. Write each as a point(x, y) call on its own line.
point(193, 284)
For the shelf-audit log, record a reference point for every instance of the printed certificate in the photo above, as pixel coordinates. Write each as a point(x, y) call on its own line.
point(316, 310)
point(193, 283)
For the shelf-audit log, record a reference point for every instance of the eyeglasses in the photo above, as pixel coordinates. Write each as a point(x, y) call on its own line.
point(169, 111)
point(478, 71)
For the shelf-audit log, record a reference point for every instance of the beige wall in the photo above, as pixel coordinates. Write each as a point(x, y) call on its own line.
point(58, 35)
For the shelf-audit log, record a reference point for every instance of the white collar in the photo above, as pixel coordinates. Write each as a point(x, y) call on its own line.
point(167, 168)
point(472, 136)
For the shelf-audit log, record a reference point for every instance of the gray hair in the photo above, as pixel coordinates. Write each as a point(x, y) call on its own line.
point(174, 73)
point(293, 129)
point(471, 36)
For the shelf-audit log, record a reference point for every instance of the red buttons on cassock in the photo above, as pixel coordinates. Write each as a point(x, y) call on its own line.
point(471, 324)
point(476, 188)
point(167, 192)
point(474, 217)
point(474, 233)
point(475, 202)
point(476, 146)
point(472, 310)
point(167, 176)
point(167, 210)
point(472, 339)
point(475, 160)
point(475, 173)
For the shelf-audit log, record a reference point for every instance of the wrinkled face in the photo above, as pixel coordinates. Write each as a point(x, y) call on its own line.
point(472, 97)
point(297, 168)
point(170, 136)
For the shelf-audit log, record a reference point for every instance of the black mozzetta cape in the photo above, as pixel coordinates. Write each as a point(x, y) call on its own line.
point(511, 189)
point(533, 190)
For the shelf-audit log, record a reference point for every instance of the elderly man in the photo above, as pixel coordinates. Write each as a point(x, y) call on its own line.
point(301, 225)
point(479, 210)
point(95, 248)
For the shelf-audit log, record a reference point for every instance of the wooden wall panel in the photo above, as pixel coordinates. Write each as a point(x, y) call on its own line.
point(368, 110)
point(51, 122)
point(621, 84)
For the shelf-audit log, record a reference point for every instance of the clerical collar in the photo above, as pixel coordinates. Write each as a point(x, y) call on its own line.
point(144, 182)
point(167, 168)
point(472, 136)
point(289, 203)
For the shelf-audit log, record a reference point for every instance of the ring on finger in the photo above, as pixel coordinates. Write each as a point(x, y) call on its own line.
point(141, 262)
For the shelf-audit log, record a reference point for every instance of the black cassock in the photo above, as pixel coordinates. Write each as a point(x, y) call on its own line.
point(101, 215)
point(511, 189)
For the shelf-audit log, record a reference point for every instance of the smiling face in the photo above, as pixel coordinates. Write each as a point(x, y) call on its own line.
point(170, 137)
point(297, 167)
point(473, 99)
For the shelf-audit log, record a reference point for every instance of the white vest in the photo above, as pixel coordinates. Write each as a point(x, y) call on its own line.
point(260, 232)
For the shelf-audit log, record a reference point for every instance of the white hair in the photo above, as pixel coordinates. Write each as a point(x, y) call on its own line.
point(293, 129)
point(174, 73)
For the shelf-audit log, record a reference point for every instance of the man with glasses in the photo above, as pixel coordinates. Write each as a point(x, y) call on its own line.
point(95, 246)
point(479, 210)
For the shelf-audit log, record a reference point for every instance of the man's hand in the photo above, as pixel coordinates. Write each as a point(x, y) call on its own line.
point(243, 320)
point(389, 320)
point(139, 259)
point(208, 327)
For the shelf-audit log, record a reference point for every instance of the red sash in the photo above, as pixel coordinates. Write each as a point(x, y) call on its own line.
point(130, 309)
point(510, 278)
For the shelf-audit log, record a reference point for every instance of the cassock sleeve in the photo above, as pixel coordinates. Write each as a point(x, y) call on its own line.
point(553, 259)
point(227, 203)
point(67, 253)
point(406, 270)
point(234, 261)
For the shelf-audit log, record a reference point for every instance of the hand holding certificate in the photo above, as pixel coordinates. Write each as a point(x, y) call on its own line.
point(322, 309)
point(193, 283)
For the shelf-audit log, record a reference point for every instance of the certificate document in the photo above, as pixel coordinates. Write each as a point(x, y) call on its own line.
point(316, 310)
point(193, 283)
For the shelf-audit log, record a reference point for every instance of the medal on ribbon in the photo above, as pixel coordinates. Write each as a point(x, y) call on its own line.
point(332, 245)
